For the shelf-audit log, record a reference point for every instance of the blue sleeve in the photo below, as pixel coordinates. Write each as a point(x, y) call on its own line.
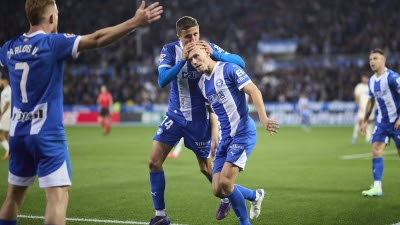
point(65, 45)
point(394, 81)
point(166, 75)
point(237, 75)
point(220, 54)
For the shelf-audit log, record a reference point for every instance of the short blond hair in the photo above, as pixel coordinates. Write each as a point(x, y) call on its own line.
point(35, 10)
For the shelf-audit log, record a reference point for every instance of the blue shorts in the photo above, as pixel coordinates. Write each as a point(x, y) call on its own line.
point(383, 131)
point(196, 134)
point(43, 155)
point(235, 150)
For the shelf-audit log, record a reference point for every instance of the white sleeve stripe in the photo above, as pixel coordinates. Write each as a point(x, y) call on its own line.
point(165, 65)
point(244, 84)
point(75, 52)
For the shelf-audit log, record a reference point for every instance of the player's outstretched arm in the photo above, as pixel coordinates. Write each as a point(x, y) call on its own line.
point(106, 36)
point(270, 125)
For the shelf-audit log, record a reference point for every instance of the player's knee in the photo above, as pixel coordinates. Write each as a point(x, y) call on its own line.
point(223, 187)
point(154, 164)
point(206, 171)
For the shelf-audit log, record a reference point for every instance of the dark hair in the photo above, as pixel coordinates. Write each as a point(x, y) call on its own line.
point(185, 23)
point(379, 51)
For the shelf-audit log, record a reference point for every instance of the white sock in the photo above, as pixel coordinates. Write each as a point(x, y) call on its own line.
point(355, 130)
point(5, 145)
point(162, 212)
point(378, 184)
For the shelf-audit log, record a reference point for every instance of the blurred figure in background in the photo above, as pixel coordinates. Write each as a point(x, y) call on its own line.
point(303, 106)
point(105, 102)
point(5, 104)
point(361, 96)
point(177, 149)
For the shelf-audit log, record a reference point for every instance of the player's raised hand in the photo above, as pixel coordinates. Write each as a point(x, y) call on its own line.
point(270, 125)
point(145, 16)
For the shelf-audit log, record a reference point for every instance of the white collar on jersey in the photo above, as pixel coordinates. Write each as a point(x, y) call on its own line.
point(35, 33)
point(383, 75)
point(213, 71)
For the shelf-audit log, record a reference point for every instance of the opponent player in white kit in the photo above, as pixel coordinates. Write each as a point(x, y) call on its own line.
point(5, 106)
point(361, 96)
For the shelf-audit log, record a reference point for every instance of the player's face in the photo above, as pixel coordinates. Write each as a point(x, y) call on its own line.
point(198, 58)
point(189, 35)
point(376, 61)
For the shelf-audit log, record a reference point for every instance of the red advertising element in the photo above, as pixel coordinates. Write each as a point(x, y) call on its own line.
point(80, 118)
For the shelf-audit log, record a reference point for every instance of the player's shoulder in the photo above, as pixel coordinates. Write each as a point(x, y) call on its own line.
point(171, 45)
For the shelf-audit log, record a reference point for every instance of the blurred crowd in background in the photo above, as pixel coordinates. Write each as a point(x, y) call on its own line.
point(333, 40)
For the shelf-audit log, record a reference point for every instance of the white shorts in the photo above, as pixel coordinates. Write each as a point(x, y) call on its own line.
point(5, 123)
point(361, 114)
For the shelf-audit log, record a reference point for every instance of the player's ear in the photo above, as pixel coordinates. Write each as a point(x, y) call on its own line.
point(51, 19)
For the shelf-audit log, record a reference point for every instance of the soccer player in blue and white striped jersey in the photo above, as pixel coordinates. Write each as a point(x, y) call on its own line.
point(224, 86)
point(38, 145)
point(384, 89)
point(187, 115)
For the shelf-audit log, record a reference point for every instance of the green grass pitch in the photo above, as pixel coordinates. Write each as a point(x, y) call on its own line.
point(306, 180)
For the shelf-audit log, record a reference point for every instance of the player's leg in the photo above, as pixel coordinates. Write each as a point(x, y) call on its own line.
point(168, 133)
point(57, 203)
point(54, 174)
point(377, 169)
point(356, 129)
point(223, 187)
point(14, 199)
point(22, 174)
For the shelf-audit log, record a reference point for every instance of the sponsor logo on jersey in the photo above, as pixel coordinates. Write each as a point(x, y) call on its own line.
point(217, 97)
point(219, 82)
point(191, 75)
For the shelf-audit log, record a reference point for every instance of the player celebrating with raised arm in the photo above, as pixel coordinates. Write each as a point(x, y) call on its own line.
point(38, 145)
point(225, 86)
point(384, 89)
point(187, 115)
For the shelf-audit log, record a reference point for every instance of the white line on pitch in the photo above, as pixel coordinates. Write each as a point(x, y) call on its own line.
point(91, 220)
point(366, 155)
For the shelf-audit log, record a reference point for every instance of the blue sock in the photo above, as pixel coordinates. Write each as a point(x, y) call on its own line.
point(239, 206)
point(8, 222)
point(377, 168)
point(247, 193)
point(157, 185)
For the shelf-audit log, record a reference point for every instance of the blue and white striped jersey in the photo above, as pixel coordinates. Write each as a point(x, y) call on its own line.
point(222, 89)
point(386, 90)
point(186, 102)
point(36, 65)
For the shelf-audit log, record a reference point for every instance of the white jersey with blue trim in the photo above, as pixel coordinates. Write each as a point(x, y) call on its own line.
point(186, 102)
point(386, 90)
point(36, 65)
point(223, 91)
